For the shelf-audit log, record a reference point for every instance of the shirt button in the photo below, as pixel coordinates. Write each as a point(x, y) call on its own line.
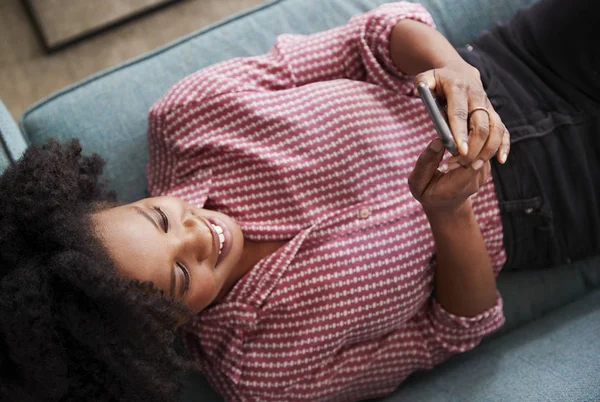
point(469, 48)
point(529, 211)
point(364, 213)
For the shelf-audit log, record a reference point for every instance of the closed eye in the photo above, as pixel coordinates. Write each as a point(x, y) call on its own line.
point(186, 277)
point(164, 219)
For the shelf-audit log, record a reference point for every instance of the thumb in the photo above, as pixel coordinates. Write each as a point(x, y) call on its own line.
point(426, 166)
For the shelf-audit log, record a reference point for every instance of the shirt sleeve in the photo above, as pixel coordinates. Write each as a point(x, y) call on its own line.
point(445, 334)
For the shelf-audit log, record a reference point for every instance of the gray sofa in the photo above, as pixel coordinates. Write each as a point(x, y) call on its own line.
point(550, 346)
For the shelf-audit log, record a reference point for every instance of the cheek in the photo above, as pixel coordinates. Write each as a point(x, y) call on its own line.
point(203, 290)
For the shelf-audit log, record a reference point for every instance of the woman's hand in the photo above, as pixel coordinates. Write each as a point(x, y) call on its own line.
point(478, 130)
point(444, 193)
point(464, 280)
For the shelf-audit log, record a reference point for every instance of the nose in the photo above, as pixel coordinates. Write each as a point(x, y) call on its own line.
point(197, 237)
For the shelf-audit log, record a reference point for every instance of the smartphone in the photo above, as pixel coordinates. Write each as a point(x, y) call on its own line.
point(438, 112)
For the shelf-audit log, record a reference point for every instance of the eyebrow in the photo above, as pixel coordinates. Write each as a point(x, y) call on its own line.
point(147, 216)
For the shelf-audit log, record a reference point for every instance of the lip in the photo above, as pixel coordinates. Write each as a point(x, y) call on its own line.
point(226, 233)
point(215, 237)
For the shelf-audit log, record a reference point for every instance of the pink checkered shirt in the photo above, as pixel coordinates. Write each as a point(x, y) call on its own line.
point(312, 143)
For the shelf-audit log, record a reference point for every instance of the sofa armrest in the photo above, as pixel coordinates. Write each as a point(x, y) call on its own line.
point(12, 141)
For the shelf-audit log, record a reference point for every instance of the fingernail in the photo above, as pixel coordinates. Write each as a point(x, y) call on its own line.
point(503, 157)
point(436, 146)
point(464, 147)
point(477, 164)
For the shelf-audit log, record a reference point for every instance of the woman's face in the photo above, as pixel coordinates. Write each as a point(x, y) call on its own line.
point(187, 252)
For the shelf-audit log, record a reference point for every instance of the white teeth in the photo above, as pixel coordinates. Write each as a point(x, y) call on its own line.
point(219, 231)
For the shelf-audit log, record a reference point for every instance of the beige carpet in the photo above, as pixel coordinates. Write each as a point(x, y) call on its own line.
point(28, 74)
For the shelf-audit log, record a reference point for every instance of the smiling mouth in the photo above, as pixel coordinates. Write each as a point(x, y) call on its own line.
point(220, 236)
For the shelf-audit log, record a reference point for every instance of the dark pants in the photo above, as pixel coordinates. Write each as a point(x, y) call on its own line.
point(541, 72)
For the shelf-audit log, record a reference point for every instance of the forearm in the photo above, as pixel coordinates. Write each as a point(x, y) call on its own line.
point(465, 284)
point(416, 47)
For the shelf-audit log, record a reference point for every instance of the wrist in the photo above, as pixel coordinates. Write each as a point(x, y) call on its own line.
point(451, 214)
point(449, 60)
point(461, 65)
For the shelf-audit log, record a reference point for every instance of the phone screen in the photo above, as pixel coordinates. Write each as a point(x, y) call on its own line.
point(438, 114)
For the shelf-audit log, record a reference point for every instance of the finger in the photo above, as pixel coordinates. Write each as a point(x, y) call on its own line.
point(454, 159)
point(479, 132)
point(428, 78)
point(457, 100)
point(453, 165)
point(426, 166)
point(504, 147)
point(457, 184)
point(494, 141)
point(465, 182)
point(478, 123)
point(486, 173)
point(480, 179)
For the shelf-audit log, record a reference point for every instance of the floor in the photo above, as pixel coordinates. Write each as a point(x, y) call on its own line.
point(28, 73)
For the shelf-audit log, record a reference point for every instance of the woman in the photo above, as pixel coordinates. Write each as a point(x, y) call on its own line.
point(300, 238)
